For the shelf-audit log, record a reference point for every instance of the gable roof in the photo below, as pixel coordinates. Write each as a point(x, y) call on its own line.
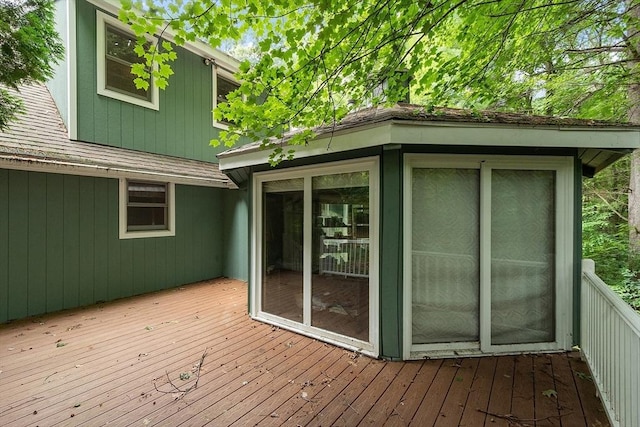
point(599, 143)
point(38, 141)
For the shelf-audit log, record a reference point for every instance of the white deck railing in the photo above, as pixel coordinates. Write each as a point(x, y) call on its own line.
point(345, 257)
point(610, 343)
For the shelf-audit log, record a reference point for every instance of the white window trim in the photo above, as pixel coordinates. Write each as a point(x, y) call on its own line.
point(101, 20)
point(564, 253)
point(216, 70)
point(140, 234)
point(371, 164)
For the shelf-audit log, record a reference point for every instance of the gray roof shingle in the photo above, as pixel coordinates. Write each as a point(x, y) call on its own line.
point(38, 140)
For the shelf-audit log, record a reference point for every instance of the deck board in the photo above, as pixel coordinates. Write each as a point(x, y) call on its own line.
point(116, 354)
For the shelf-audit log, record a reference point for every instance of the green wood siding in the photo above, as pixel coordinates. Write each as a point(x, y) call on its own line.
point(236, 245)
point(183, 125)
point(391, 267)
point(59, 244)
point(4, 244)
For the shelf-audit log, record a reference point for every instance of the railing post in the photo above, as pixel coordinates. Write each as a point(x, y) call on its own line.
point(589, 265)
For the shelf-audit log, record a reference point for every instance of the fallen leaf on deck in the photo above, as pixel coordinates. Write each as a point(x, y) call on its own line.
point(550, 393)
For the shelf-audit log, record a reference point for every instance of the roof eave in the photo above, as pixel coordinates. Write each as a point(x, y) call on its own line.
point(35, 164)
point(406, 132)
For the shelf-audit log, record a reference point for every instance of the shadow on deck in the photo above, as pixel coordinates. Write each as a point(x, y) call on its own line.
point(111, 363)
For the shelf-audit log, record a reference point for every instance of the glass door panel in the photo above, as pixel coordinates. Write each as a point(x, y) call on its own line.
point(282, 279)
point(340, 248)
point(523, 256)
point(445, 255)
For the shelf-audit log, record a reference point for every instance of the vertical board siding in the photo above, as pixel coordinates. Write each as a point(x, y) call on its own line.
point(55, 214)
point(37, 246)
point(60, 246)
point(4, 244)
point(236, 248)
point(71, 197)
point(86, 225)
point(182, 126)
point(18, 243)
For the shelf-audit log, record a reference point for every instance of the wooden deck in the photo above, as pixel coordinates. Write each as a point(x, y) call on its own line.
point(110, 364)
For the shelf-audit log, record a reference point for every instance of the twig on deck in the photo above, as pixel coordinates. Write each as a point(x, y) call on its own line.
point(177, 390)
point(512, 419)
point(50, 375)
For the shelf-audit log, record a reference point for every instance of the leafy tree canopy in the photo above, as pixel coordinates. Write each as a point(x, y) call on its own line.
point(29, 47)
point(318, 59)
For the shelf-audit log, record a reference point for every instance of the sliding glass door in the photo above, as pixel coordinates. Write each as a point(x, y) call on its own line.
point(316, 243)
point(488, 250)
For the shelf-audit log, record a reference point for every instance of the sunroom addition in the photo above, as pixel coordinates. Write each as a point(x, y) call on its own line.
point(408, 233)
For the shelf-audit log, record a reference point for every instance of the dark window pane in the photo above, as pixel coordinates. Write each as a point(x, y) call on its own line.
point(143, 218)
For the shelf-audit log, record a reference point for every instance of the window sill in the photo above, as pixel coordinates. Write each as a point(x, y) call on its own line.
point(147, 234)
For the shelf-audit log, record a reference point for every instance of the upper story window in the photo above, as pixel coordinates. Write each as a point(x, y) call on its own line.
point(115, 55)
point(147, 209)
point(223, 84)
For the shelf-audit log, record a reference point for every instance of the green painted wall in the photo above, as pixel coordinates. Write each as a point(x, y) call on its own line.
point(391, 264)
point(236, 226)
point(183, 125)
point(59, 245)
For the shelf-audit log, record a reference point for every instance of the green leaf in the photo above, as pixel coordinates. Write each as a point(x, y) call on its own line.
point(550, 393)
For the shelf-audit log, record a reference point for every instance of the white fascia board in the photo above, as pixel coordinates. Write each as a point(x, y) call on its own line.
point(198, 47)
point(430, 133)
point(80, 169)
point(453, 134)
point(365, 137)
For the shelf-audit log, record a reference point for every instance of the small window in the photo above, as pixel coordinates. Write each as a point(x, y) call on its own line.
point(115, 55)
point(146, 206)
point(224, 84)
point(147, 209)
